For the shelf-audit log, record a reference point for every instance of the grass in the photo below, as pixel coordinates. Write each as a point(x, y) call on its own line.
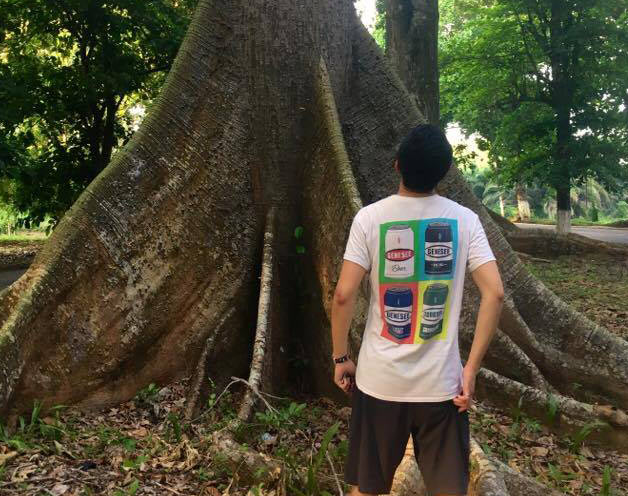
point(579, 221)
point(23, 237)
point(594, 285)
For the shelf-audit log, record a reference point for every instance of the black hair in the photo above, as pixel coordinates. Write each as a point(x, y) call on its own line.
point(424, 157)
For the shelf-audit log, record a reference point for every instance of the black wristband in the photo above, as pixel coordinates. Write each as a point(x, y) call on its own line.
point(342, 359)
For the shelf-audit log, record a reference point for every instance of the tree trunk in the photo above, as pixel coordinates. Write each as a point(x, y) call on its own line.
point(523, 206)
point(502, 208)
point(153, 273)
point(412, 47)
point(562, 92)
point(563, 210)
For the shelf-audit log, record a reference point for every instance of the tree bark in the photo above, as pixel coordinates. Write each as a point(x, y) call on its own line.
point(562, 92)
point(153, 273)
point(412, 47)
point(523, 205)
point(563, 209)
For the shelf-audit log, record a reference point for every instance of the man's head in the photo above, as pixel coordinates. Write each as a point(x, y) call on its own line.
point(423, 158)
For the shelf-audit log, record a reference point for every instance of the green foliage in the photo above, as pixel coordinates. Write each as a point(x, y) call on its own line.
point(174, 427)
point(558, 476)
point(498, 65)
point(594, 214)
point(129, 490)
point(552, 409)
point(576, 441)
point(30, 433)
point(622, 209)
point(134, 463)
point(281, 417)
point(606, 482)
point(75, 78)
point(379, 33)
point(9, 218)
point(298, 236)
point(311, 487)
point(148, 394)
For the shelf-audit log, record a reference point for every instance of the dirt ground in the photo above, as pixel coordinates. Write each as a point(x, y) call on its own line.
point(143, 447)
point(595, 285)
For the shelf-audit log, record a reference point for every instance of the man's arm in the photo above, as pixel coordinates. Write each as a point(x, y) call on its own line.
point(342, 309)
point(489, 283)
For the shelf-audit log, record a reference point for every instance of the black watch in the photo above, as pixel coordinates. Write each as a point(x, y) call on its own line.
point(342, 359)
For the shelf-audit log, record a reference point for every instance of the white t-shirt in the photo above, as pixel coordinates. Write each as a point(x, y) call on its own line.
point(417, 250)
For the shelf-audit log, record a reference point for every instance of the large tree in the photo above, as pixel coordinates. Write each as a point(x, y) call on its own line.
point(271, 118)
point(538, 80)
point(411, 43)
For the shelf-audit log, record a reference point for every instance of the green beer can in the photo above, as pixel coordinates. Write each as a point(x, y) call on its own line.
point(434, 300)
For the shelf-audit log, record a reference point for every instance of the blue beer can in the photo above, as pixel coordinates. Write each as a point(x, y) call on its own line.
point(398, 307)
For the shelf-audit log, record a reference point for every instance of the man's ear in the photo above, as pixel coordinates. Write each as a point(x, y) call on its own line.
point(396, 165)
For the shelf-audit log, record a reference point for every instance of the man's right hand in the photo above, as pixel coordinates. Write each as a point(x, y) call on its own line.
point(344, 375)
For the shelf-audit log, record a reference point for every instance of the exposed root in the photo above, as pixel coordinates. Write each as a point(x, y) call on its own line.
point(504, 224)
point(251, 466)
point(488, 477)
point(570, 417)
point(17, 258)
point(546, 243)
point(199, 384)
point(263, 329)
point(521, 485)
point(505, 357)
point(408, 480)
point(331, 202)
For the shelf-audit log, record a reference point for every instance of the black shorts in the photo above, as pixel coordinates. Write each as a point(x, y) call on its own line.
point(378, 435)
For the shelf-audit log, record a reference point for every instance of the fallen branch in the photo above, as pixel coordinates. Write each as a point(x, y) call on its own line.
point(333, 471)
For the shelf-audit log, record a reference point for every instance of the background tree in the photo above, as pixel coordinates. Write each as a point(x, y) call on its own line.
point(538, 80)
point(72, 73)
point(412, 46)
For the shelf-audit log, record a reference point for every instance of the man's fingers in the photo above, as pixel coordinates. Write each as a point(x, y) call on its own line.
point(462, 401)
point(345, 383)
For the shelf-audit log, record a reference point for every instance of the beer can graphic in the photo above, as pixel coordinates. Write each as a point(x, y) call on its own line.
point(398, 307)
point(434, 300)
point(439, 252)
point(399, 251)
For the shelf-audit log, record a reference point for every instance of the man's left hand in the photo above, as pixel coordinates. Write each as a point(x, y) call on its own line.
point(465, 400)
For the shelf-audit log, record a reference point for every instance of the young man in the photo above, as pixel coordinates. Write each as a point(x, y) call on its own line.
point(409, 379)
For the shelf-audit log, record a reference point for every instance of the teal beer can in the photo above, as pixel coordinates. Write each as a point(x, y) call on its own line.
point(434, 300)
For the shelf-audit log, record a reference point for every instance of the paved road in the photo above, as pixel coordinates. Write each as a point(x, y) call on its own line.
point(612, 234)
point(7, 277)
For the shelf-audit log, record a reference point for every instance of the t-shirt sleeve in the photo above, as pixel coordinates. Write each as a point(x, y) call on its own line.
point(357, 245)
point(479, 250)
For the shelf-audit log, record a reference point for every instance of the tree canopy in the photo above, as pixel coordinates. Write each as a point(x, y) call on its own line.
point(543, 84)
point(71, 75)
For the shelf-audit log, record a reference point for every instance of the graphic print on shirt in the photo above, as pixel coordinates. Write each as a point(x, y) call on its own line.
point(417, 260)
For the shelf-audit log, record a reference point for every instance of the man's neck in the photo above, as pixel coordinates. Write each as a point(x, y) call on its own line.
point(403, 191)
